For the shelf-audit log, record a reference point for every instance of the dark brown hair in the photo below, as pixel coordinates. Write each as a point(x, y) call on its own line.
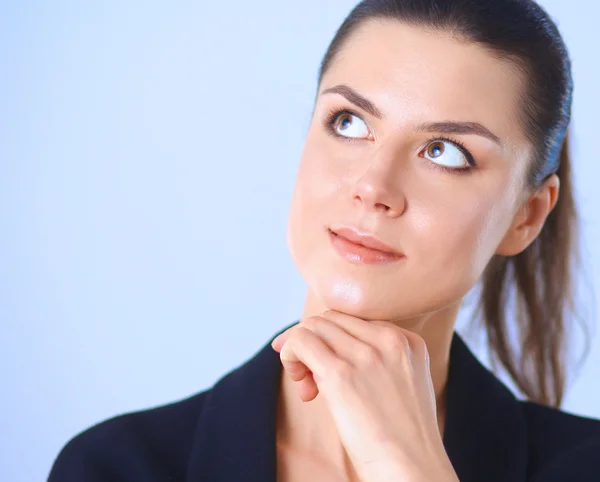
point(537, 282)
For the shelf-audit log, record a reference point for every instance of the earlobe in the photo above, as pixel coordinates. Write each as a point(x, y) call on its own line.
point(530, 218)
point(517, 236)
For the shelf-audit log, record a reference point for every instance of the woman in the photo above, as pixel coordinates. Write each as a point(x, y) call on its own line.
point(434, 160)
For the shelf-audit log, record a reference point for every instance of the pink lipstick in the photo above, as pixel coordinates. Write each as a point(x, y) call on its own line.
point(363, 248)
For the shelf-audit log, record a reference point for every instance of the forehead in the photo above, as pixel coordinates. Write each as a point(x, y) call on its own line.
point(413, 74)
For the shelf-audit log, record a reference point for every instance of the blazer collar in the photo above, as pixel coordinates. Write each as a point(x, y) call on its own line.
point(484, 436)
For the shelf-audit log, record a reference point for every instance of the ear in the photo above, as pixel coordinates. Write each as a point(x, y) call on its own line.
point(530, 218)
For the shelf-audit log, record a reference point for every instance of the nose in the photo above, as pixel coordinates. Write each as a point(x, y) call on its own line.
point(379, 188)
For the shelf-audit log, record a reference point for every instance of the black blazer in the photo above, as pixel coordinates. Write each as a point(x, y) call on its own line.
point(227, 433)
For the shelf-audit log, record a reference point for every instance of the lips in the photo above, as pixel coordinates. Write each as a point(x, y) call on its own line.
point(365, 239)
point(356, 253)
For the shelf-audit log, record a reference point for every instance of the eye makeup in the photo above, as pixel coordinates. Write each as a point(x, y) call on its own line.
point(334, 114)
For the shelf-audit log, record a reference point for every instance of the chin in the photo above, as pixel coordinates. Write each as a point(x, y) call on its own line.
point(365, 302)
point(371, 301)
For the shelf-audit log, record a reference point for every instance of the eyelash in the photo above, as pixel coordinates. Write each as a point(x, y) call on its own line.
point(334, 114)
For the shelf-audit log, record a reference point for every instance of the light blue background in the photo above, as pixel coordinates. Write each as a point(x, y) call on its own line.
point(147, 157)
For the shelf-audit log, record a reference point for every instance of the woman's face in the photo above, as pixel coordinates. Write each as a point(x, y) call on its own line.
point(382, 171)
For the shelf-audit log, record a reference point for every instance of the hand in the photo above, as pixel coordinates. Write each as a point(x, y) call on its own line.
point(376, 381)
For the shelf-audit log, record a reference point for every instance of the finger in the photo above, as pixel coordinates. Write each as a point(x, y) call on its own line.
point(280, 339)
point(299, 373)
point(356, 327)
point(307, 388)
point(296, 370)
point(344, 345)
point(418, 351)
point(306, 347)
point(368, 331)
point(381, 333)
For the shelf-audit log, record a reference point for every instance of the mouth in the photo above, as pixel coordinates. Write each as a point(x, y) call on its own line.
point(362, 248)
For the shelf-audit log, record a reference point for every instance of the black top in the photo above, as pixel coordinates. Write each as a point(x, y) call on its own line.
point(227, 433)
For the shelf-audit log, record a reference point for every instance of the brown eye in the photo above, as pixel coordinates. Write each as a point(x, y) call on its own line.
point(435, 149)
point(345, 121)
point(446, 154)
point(350, 125)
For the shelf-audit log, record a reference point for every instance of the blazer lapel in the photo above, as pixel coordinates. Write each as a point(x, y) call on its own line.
point(485, 433)
point(484, 436)
point(235, 435)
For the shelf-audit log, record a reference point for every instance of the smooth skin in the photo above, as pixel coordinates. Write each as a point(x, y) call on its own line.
point(371, 350)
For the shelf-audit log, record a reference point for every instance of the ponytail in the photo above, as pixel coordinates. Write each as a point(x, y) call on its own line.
point(537, 284)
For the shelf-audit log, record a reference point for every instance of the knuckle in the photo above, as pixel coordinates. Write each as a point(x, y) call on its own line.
point(396, 341)
point(419, 345)
point(416, 344)
point(368, 356)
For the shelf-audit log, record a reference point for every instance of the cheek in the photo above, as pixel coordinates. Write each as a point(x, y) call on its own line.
point(457, 239)
point(315, 191)
point(318, 179)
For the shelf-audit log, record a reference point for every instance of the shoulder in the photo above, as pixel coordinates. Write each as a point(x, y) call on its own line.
point(149, 445)
point(561, 443)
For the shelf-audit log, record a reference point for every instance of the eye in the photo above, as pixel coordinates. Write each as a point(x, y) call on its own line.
point(347, 124)
point(448, 154)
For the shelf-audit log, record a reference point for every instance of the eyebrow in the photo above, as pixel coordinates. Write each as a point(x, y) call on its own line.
point(446, 127)
point(354, 97)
